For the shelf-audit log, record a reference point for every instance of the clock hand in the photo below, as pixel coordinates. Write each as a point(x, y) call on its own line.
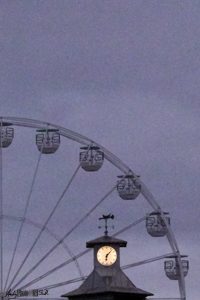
point(108, 254)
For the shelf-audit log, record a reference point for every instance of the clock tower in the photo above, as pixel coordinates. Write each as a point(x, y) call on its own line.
point(107, 281)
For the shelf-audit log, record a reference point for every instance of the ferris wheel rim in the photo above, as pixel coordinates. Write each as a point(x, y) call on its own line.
point(113, 159)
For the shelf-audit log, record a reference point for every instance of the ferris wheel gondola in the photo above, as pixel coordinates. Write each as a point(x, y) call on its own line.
point(48, 140)
point(127, 187)
point(172, 267)
point(7, 134)
point(155, 224)
point(91, 158)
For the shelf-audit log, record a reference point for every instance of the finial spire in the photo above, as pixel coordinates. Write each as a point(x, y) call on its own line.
point(106, 218)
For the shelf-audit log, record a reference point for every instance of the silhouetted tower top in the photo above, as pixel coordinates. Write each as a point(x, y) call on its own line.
point(107, 281)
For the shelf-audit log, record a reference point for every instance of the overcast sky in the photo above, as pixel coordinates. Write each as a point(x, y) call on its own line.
point(126, 74)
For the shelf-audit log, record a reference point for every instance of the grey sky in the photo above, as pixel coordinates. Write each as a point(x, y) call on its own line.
point(125, 73)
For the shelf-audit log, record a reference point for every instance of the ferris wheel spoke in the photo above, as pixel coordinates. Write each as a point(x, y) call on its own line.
point(24, 214)
point(52, 286)
point(56, 285)
point(51, 233)
point(42, 229)
point(146, 261)
point(48, 219)
point(64, 237)
point(130, 226)
point(76, 257)
point(23, 218)
point(150, 260)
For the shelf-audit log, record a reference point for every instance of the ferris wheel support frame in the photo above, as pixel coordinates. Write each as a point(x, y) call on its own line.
point(81, 139)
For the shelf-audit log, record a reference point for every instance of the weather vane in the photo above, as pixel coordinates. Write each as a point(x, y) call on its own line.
point(106, 218)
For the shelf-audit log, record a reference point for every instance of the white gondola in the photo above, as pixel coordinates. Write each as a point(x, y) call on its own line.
point(7, 134)
point(155, 224)
point(172, 269)
point(47, 140)
point(127, 187)
point(91, 159)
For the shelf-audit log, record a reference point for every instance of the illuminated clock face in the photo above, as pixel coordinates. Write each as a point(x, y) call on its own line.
point(106, 256)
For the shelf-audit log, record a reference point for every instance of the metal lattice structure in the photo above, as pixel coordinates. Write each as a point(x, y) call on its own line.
point(91, 159)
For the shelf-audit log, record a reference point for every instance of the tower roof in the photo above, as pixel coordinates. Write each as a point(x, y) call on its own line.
point(106, 240)
point(117, 282)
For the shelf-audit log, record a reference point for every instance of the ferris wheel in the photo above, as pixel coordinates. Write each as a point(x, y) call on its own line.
point(37, 227)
